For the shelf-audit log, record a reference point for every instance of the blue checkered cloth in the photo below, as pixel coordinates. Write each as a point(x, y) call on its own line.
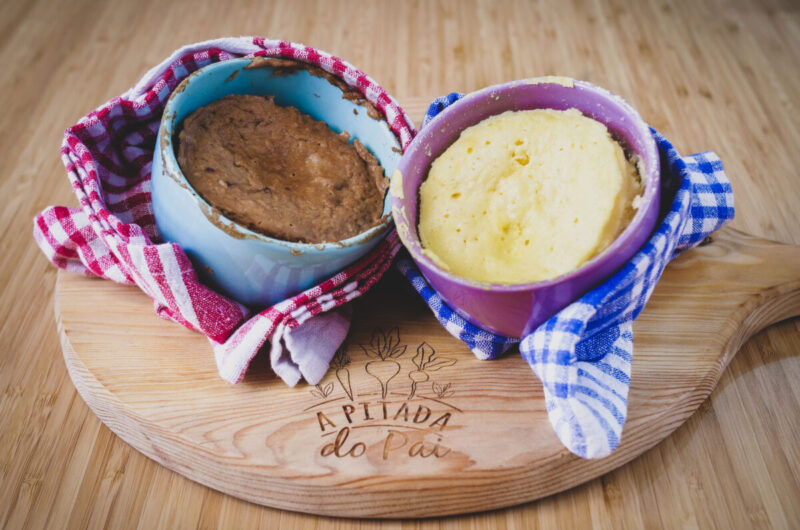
point(583, 354)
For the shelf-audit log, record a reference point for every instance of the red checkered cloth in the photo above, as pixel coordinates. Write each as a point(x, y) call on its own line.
point(108, 156)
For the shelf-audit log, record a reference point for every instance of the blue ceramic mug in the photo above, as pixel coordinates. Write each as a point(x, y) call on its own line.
point(250, 267)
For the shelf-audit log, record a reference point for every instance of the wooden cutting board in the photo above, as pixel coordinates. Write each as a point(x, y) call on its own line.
point(384, 439)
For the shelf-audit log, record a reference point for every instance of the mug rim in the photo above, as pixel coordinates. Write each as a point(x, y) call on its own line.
point(417, 149)
point(172, 169)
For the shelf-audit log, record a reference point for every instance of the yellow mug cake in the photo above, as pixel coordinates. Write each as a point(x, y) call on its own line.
point(526, 196)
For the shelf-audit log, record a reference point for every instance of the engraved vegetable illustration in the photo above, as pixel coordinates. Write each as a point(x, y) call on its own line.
point(340, 362)
point(322, 391)
point(426, 361)
point(442, 391)
point(384, 348)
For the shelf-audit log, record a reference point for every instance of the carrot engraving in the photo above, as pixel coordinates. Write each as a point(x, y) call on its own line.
point(340, 362)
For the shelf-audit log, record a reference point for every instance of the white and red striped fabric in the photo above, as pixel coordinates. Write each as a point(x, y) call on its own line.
point(113, 235)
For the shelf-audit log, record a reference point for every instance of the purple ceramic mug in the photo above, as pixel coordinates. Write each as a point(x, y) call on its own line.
point(515, 310)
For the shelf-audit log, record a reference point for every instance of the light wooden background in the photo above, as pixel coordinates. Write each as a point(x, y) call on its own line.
point(710, 75)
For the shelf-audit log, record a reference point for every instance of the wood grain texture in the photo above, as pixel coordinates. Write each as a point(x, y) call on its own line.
point(710, 75)
point(382, 437)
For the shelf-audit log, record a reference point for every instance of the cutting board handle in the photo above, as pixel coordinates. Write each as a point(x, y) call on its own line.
point(761, 276)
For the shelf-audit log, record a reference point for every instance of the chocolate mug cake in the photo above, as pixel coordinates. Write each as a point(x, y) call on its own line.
point(279, 172)
point(261, 246)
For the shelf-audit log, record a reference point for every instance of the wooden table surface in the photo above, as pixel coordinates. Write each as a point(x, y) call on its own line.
point(710, 75)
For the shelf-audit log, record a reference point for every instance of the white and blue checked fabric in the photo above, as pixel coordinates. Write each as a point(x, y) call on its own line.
point(583, 354)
